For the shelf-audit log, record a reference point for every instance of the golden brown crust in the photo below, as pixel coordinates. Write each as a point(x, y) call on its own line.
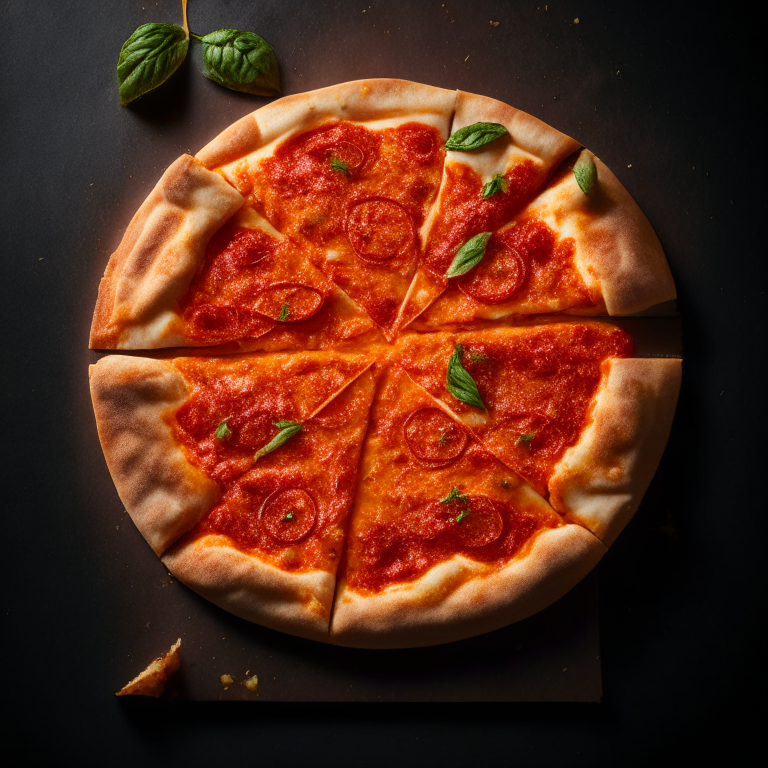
point(241, 583)
point(617, 251)
point(157, 258)
point(358, 100)
point(151, 682)
point(162, 492)
point(600, 481)
point(462, 598)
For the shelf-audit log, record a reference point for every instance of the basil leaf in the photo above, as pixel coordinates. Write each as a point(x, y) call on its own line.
point(526, 438)
point(497, 184)
point(289, 516)
point(339, 165)
point(241, 61)
point(453, 495)
point(464, 513)
point(475, 136)
point(585, 172)
point(284, 312)
point(460, 384)
point(287, 430)
point(223, 432)
point(469, 255)
point(148, 58)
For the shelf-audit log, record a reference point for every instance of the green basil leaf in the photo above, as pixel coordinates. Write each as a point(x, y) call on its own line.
point(585, 172)
point(464, 513)
point(287, 430)
point(497, 184)
point(241, 61)
point(339, 165)
point(460, 384)
point(526, 438)
point(289, 516)
point(475, 136)
point(469, 255)
point(284, 312)
point(148, 58)
point(223, 432)
point(454, 495)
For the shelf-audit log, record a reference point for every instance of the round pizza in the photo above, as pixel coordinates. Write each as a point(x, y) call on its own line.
point(390, 419)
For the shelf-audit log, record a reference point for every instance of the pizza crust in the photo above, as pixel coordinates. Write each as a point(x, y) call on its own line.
point(163, 493)
point(158, 256)
point(462, 598)
point(600, 481)
point(296, 603)
point(362, 101)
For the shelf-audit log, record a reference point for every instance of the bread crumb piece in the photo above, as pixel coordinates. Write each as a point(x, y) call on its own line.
point(630, 165)
point(226, 680)
point(252, 683)
point(494, 23)
point(151, 682)
point(575, 21)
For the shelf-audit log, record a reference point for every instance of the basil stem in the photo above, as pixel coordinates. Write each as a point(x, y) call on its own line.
point(464, 513)
point(497, 184)
point(475, 136)
point(284, 312)
point(469, 255)
point(287, 430)
point(460, 384)
point(242, 61)
point(148, 58)
point(585, 172)
point(223, 432)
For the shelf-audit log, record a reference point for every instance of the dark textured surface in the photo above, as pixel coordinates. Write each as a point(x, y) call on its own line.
point(673, 95)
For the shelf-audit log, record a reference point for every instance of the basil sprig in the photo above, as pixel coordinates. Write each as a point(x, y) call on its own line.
point(453, 495)
point(242, 61)
point(287, 430)
point(475, 136)
point(148, 58)
point(460, 384)
point(497, 184)
point(585, 172)
point(469, 255)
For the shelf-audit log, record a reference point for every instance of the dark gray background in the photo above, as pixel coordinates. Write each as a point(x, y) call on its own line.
point(673, 94)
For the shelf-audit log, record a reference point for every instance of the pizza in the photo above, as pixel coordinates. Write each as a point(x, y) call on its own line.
point(395, 411)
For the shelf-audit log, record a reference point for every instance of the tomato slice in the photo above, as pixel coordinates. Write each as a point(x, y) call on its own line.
point(479, 522)
point(433, 436)
point(289, 515)
point(497, 278)
point(289, 302)
point(379, 229)
point(217, 323)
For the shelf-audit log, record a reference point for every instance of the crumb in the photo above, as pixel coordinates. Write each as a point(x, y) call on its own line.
point(630, 165)
point(151, 682)
point(494, 23)
point(466, 60)
point(226, 680)
point(575, 21)
point(252, 683)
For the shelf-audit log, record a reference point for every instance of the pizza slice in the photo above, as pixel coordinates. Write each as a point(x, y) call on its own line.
point(352, 172)
point(176, 433)
point(199, 268)
point(567, 251)
point(563, 404)
point(445, 541)
point(268, 551)
point(498, 160)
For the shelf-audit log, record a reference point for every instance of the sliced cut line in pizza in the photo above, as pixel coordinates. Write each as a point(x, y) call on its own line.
point(437, 521)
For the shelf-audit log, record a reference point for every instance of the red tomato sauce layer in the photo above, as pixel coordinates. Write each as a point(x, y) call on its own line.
point(360, 193)
point(478, 527)
point(464, 212)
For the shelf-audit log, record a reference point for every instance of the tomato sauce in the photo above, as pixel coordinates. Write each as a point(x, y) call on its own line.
point(357, 197)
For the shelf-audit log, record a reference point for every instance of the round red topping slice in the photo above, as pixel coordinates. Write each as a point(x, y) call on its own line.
point(478, 521)
point(288, 516)
point(216, 323)
point(419, 142)
point(498, 277)
point(433, 436)
point(350, 154)
point(289, 302)
point(379, 229)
